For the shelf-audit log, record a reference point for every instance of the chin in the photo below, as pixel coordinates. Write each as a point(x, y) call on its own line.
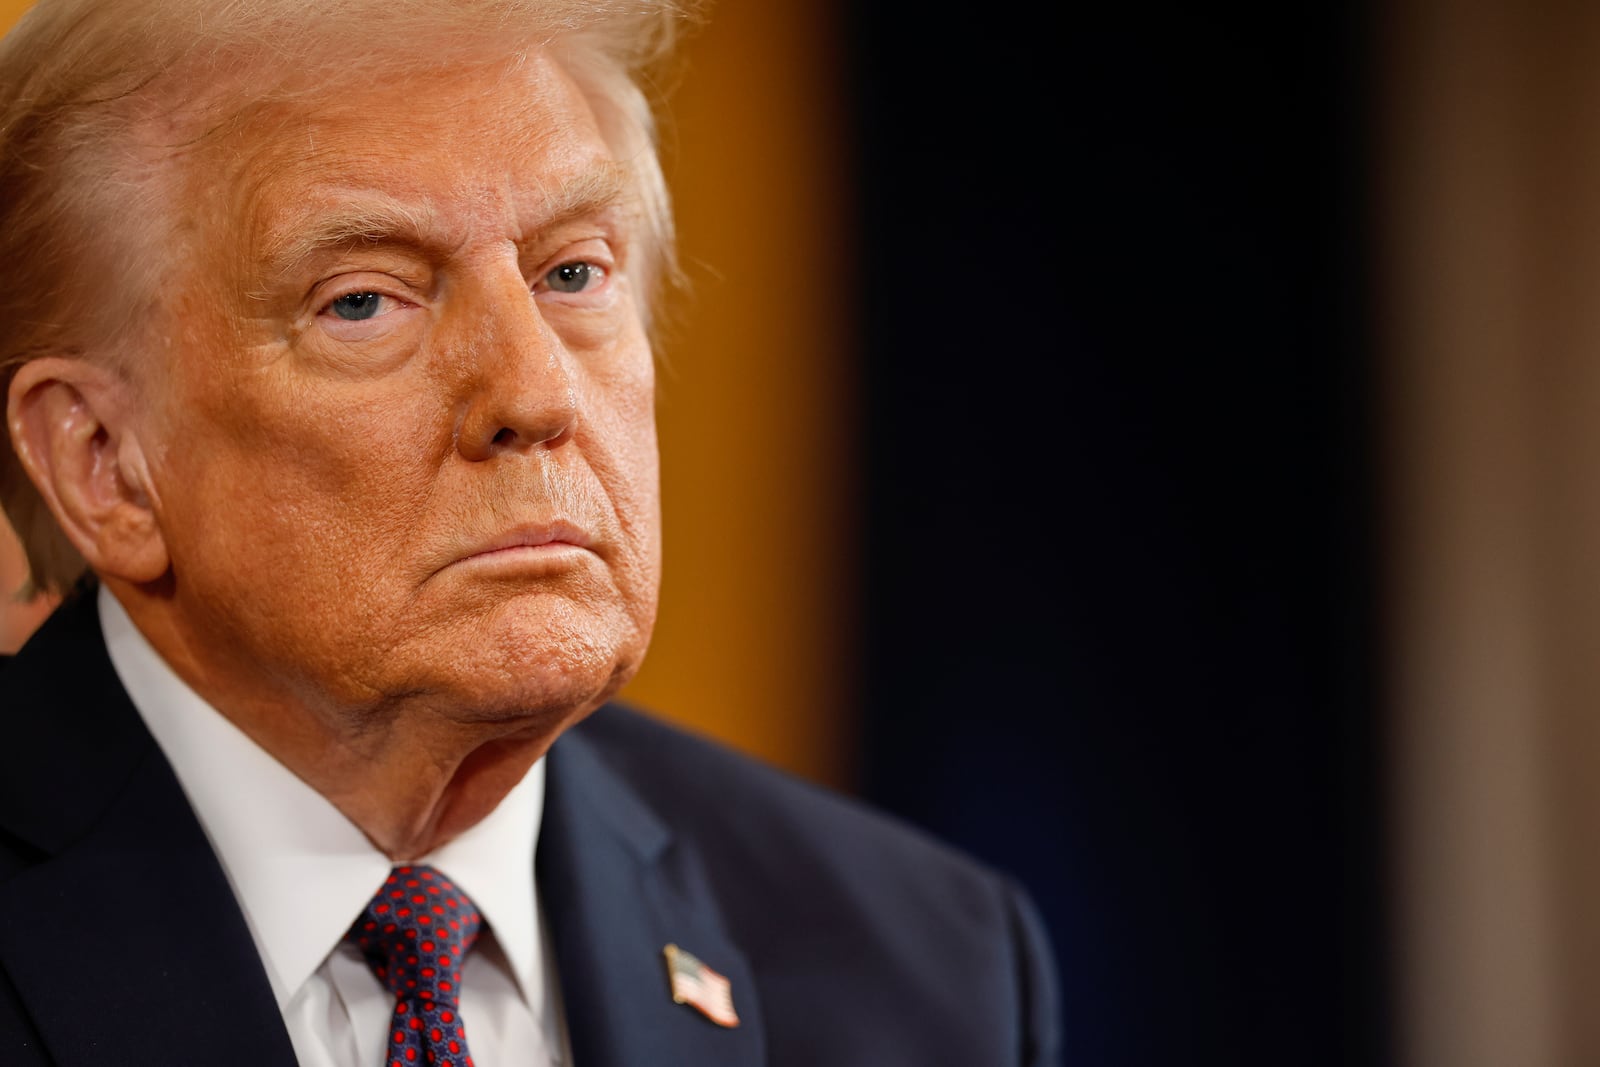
point(534, 700)
point(546, 673)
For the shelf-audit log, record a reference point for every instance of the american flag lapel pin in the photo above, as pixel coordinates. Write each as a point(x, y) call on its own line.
point(695, 984)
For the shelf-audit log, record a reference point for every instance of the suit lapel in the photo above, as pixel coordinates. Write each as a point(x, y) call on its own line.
point(617, 889)
point(124, 940)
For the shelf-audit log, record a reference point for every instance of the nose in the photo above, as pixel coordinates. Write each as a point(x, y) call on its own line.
point(523, 395)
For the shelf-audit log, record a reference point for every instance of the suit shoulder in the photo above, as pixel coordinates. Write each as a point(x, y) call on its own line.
point(810, 882)
point(737, 805)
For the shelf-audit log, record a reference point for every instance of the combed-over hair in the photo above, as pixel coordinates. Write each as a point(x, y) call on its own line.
point(90, 91)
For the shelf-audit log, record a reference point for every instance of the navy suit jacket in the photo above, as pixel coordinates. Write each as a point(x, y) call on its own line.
point(848, 939)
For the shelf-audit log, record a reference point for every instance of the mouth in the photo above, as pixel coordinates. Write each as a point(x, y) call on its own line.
point(542, 544)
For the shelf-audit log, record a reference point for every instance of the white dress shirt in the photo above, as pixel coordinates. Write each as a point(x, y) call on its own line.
point(302, 873)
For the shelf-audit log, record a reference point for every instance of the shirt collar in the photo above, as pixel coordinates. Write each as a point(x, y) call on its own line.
point(300, 869)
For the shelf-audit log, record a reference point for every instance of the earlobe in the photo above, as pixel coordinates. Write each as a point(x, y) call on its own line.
point(66, 422)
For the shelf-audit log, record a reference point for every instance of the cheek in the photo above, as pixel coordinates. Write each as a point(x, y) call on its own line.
point(623, 453)
point(301, 476)
point(635, 493)
point(641, 483)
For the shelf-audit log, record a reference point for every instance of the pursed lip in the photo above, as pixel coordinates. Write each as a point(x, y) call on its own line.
point(557, 534)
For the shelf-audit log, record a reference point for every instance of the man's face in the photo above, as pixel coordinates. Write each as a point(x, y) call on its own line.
point(402, 440)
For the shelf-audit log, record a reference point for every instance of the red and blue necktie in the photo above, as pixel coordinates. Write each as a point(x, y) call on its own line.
point(414, 935)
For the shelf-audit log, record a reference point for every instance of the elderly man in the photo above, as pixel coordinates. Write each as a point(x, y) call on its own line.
point(326, 337)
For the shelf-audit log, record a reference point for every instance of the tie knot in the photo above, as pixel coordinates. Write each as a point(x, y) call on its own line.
point(414, 934)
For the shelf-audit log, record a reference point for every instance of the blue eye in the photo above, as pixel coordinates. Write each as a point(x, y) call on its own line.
point(573, 277)
point(356, 306)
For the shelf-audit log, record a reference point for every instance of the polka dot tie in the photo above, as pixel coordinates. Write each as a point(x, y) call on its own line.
point(414, 934)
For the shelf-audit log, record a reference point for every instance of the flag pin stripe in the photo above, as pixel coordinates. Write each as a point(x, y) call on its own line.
point(695, 984)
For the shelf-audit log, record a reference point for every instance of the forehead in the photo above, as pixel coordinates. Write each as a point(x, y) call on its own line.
point(499, 148)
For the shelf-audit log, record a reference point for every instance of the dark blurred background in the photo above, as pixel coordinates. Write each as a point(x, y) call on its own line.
point(1119, 582)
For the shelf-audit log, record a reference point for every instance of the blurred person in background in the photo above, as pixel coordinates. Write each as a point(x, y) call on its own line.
point(326, 339)
point(20, 611)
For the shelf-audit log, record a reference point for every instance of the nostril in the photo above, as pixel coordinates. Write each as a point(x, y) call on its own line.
point(505, 436)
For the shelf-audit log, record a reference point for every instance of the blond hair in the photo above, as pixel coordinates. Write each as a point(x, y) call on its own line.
point(83, 187)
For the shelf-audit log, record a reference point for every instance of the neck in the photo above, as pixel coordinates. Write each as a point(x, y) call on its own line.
point(410, 797)
point(410, 775)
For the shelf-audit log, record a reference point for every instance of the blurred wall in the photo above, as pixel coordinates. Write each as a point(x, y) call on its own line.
point(755, 402)
point(1491, 222)
point(1118, 587)
point(16, 620)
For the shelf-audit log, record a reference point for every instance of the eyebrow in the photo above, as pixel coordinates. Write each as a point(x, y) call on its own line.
point(374, 218)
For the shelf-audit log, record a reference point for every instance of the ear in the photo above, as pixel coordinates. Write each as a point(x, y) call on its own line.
point(70, 427)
